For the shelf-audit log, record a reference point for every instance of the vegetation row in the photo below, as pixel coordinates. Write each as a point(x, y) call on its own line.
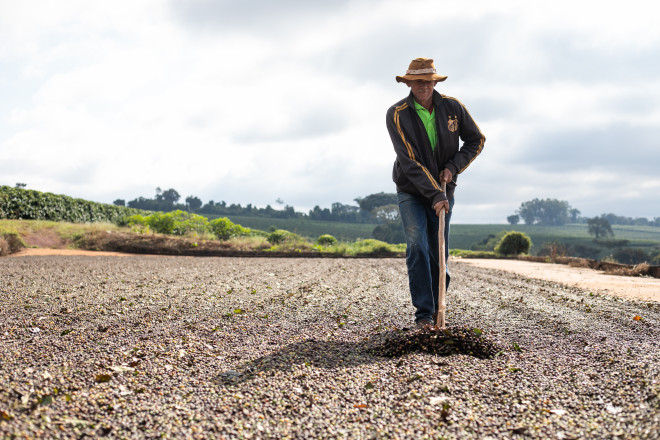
point(18, 203)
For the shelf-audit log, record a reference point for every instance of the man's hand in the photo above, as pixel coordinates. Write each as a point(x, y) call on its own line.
point(446, 175)
point(440, 206)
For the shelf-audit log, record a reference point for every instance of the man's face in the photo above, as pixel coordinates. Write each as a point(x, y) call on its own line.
point(422, 90)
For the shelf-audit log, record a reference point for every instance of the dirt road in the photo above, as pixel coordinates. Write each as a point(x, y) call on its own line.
point(642, 288)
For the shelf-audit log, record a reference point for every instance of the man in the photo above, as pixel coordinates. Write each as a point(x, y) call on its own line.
point(425, 129)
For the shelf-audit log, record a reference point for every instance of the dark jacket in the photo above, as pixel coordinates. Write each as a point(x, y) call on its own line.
point(417, 168)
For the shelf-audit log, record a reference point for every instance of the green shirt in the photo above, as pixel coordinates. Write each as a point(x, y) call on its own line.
point(428, 119)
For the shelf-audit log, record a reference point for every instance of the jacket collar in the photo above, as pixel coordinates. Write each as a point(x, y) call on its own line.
point(437, 99)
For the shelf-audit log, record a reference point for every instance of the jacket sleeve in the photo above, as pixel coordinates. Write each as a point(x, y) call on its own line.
point(473, 142)
point(415, 171)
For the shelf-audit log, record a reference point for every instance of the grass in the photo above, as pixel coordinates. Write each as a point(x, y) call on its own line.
point(108, 237)
point(364, 247)
point(67, 232)
point(248, 243)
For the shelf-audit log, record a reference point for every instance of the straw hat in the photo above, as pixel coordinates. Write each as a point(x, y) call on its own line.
point(421, 68)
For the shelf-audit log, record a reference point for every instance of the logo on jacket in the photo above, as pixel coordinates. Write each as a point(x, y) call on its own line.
point(452, 124)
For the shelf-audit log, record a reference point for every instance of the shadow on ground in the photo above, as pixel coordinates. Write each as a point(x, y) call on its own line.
point(390, 344)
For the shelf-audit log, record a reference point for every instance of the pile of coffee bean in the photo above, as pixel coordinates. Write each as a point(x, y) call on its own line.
point(448, 341)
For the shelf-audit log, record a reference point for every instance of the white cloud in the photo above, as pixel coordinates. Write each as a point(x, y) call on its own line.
point(250, 102)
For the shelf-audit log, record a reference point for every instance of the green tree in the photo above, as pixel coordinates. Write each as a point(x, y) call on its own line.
point(320, 214)
point(641, 221)
point(369, 203)
point(600, 227)
point(171, 195)
point(386, 213)
point(550, 212)
point(391, 231)
point(346, 213)
point(513, 219)
point(119, 202)
point(193, 203)
point(574, 213)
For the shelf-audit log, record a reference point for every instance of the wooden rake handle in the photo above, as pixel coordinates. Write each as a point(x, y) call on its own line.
point(442, 288)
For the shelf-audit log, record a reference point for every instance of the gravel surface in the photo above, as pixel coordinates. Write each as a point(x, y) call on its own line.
point(141, 347)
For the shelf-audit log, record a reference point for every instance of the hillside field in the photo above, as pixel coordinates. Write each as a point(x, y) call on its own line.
point(644, 237)
point(464, 236)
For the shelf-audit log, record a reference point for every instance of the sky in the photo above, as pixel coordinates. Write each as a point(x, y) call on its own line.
point(251, 101)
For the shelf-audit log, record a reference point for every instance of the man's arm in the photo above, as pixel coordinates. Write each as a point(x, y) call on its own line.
point(416, 172)
point(473, 142)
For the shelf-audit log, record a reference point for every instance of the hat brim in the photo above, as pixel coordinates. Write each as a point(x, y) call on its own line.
point(427, 77)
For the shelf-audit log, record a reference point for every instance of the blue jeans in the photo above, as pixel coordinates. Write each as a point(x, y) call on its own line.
point(420, 226)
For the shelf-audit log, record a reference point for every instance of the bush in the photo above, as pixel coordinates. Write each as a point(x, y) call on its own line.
point(278, 236)
point(291, 243)
point(656, 258)
point(138, 223)
point(178, 223)
point(14, 241)
point(10, 243)
point(175, 222)
point(221, 228)
point(183, 222)
point(514, 243)
point(326, 240)
point(285, 241)
point(631, 256)
point(224, 229)
point(161, 222)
